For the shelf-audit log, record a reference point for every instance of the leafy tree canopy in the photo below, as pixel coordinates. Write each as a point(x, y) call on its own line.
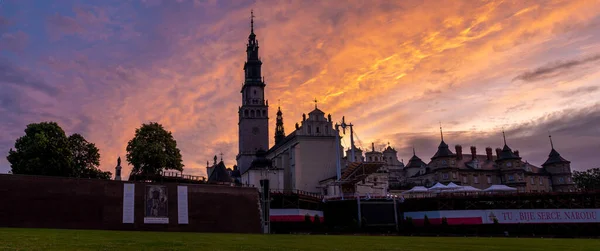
point(46, 150)
point(588, 179)
point(86, 158)
point(152, 150)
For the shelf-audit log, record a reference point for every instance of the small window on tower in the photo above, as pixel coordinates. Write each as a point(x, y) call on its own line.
point(264, 113)
point(252, 113)
point(317, 129)
point(245, 113)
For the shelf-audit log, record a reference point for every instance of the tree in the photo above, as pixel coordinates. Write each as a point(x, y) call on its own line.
point(152, 150)
point(44, 150)
point(86, 158)
point(588, 179)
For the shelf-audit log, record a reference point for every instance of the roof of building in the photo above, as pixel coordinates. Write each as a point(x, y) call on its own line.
point(443, 151)
point(261, 161)
point(219, 174)
point(389, 149)
point(555, 158)
point(283, 142)
point(507, 153)
point(415, 162)
point(316, 111)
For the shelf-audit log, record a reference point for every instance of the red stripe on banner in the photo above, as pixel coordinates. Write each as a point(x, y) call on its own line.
point(290, 218)
point(451, 221)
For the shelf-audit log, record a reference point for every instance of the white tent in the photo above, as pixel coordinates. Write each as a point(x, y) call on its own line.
point(438, 186)
point(453, 186)
point(500, 188)
point(463, 189)
point(417, 189)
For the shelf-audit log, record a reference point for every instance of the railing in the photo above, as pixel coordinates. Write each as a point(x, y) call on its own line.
point(296, 192)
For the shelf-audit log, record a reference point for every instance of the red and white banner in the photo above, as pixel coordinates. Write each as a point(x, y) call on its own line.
point(507, 216)
point(293, 215)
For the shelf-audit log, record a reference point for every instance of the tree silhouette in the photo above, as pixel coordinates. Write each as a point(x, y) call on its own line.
point(152, 150)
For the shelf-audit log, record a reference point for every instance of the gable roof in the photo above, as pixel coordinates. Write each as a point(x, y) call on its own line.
point(219, 174)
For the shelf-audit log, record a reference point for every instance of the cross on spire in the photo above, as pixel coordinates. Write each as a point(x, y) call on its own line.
point(315, 103)
point(221, 156)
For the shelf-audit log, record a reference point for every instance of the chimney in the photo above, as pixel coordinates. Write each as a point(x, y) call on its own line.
point(516, 152)
point(473, 152)
point(488, 153)
point(498, 150)
point(458, 152)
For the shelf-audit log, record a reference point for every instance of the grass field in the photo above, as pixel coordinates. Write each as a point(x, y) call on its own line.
point(51, 239)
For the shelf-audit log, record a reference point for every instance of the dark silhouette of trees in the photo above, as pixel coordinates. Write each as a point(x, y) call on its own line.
point(46, 150)
point(86, 158)
point(588, 179)
point(152, 150)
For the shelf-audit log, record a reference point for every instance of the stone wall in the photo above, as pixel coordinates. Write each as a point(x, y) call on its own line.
point(54, 202)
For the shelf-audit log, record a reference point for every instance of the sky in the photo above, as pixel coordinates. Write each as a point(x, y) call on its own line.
point(395, 69)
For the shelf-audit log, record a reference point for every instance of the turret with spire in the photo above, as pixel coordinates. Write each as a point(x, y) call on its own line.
point(559, 169)
point(443, 150)
point(279, 131)
point(414, 165)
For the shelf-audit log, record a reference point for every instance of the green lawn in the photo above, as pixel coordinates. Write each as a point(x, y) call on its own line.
point(52, 239)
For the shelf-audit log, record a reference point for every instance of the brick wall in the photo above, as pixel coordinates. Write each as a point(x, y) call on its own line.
point(53, 202)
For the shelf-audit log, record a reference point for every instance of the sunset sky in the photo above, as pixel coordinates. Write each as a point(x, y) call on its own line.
point(395, 69)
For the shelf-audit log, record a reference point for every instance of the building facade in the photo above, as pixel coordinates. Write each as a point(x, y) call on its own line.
point(481, 171)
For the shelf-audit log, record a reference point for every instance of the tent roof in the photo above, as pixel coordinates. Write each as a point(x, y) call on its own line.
point(452, 185)
point(499, 188)
point(417, 189)
point(438, 186)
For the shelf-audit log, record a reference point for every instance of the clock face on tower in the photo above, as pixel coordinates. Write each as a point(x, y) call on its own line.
point(255, 130)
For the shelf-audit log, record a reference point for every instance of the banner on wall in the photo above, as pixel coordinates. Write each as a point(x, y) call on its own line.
point(128, 202)
point(182, 205)
point(293, 215)
point(156, 205)
point(508, 216)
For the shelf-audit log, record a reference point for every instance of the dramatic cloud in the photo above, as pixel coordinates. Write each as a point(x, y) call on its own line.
point(556, 68)
point(393, 68)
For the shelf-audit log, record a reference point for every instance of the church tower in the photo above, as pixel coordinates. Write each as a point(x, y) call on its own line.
point(279, 131)
point(253, 114)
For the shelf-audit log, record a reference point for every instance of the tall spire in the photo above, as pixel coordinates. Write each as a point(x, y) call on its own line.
point(414, 153)
point(441, 132)
point(504, 136)
point(279, 131)
point(252, 21)
point(551, 144)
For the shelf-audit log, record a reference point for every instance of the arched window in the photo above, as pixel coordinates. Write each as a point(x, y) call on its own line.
point(252, 113)
point(264, 113)
point(370, 158)
point(245, 113)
